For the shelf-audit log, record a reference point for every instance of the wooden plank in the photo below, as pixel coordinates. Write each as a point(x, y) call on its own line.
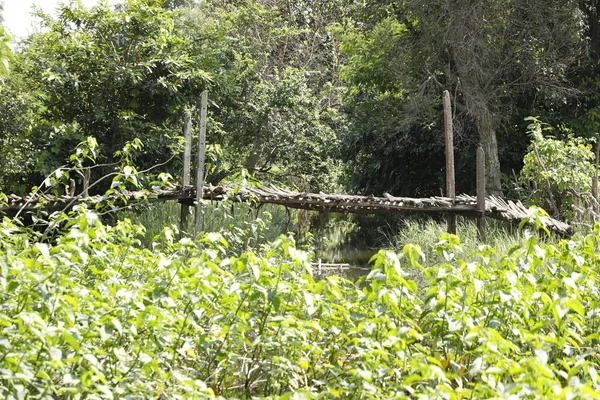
point(187, 150)
point(187, 161)
point(201, 157)
point(449, 139)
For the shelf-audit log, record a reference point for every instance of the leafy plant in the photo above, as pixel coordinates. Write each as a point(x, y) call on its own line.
point(113, 73)
point(558, 171)
point(6, 55)
point(95, 314)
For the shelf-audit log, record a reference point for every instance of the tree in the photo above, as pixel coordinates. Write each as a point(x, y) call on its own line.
point(6, 55)
point(17, 116)
point(581, 110)
point(496, 57)
point(115, 74)
point(271, 69)
point(130, 72)
point(173, 4)
point(391, 143)
point(494, 52)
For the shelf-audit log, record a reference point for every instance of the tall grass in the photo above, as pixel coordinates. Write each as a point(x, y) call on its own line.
point(251, 225)
point(426, 233)
point(248, 226)
point(154, 217)
point(500, 239)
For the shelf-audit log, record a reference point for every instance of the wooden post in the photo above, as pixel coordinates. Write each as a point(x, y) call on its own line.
point(481, 193)
point(450, 182)
point(201, 156)
point(86, 182)
point(72, 186)
point(594, 213)
point(187, 157)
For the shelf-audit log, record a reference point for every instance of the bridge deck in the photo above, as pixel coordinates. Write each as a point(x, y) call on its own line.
point(496, 207)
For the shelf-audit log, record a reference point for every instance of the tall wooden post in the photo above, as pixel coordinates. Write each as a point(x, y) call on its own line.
point(595, 205)
point(201, 156)
point(71, 188)
point(86, 182)
point(187, 158)
point(481, 193)
point(450, 182)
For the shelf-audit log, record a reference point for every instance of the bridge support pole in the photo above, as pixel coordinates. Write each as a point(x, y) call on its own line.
point(481, 193)
point(200, 173)
point(450, 180)
point(187, 157)
point(86, 182)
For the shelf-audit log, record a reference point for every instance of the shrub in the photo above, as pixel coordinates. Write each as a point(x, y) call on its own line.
point(560, 171)
point(96, 315)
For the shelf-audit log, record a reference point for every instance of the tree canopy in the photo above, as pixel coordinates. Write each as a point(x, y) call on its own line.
point(317, 95)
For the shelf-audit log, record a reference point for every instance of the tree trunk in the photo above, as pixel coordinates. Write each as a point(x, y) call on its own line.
point(591, 10)
point(254, 157)
point(258, 146)
point(477, 103)
point(489, 142)
point(468, 49)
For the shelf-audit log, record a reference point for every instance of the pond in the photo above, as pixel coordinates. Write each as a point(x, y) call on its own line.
point(344, 244)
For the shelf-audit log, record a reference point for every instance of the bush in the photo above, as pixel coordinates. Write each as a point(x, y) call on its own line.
point(560, 171)
point(95, 315)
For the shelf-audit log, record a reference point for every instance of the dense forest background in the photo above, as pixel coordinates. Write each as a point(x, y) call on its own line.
point(334, 95)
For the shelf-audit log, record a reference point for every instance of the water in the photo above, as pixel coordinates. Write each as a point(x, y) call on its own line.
point(347, 240)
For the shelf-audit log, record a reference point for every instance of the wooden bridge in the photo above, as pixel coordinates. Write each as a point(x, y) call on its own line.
point(478, 207)
point(495, 207)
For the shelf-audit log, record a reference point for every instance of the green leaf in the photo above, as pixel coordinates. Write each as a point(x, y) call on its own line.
point(575, 305)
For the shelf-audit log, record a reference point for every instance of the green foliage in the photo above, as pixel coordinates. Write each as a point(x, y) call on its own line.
point(130, 72)
point(560, 171)
point(95, 314)
point(369, 53)
point(282, 130)
point(245, 226)
point(115, 74)
point(426, 233)
point(6, 55)
point(17, 116)
point(394, 141)
point(309, 94)
point(398, 58)
point(272, 116)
